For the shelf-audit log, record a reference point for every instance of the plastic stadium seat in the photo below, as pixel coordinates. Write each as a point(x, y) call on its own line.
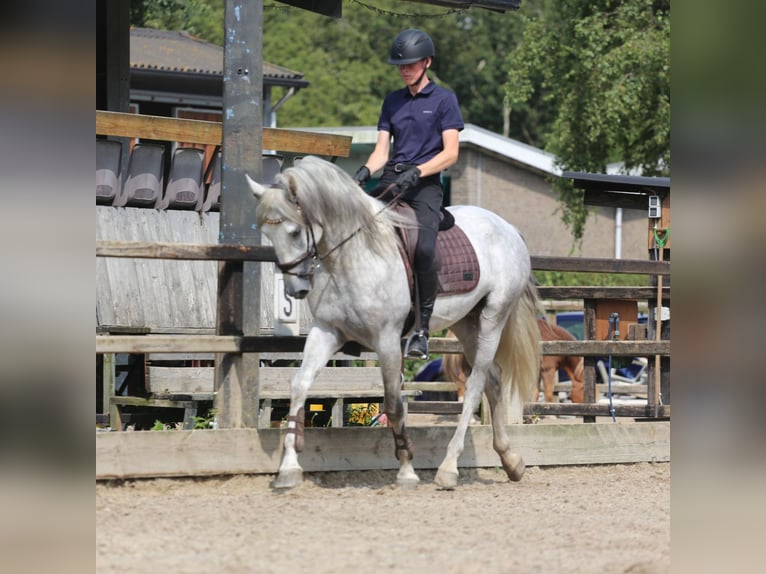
point(146, 168)
point(213, 198)
point(271, 165)
point(184, 190)
point(108, 164)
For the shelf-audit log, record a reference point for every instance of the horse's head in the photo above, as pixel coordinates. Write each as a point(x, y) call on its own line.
point(280, 218)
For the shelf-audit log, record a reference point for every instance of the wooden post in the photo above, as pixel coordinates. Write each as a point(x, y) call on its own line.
point(659, 369)
point(107, 381)
point(589, 375)
point(239, 283)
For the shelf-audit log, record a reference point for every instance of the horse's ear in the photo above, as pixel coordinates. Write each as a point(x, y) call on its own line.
point(292, 185)
point(257, 188)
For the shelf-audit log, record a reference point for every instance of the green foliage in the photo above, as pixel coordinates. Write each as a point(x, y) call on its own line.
point(577, 279)
point(201, 18)
point(604, 66)
point(159, 425)
point(206, 420)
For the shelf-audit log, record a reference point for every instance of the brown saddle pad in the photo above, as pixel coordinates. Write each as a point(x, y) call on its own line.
point(456, 258)
point(458, 266)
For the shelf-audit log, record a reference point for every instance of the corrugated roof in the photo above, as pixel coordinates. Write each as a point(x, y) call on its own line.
point(169, 51)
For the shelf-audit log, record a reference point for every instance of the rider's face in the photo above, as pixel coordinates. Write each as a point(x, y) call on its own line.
point(412, 73)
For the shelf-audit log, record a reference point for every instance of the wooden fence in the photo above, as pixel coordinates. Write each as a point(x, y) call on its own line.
point(590, 348)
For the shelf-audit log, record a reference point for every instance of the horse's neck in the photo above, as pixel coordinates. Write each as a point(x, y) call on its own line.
point(351, 252)
point(551, 332)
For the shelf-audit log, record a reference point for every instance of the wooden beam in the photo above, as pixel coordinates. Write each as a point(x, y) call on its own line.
point(435, 407)
point(142, 344)
point(186, 251)
point(238, 451)
point(203, 132)
point(576, 292)
point(591, 348)
point(229, 252)
point(600, 265)
point(238, 310)
point(596, 410)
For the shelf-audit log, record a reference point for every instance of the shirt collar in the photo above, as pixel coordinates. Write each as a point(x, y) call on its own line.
point(424, 92)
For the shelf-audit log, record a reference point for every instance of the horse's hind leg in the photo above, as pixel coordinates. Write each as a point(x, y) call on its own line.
point(513, 464)
point(447, 475)
point(548, 373)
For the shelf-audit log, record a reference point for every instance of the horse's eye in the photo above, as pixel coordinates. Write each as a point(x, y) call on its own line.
point(295, 232)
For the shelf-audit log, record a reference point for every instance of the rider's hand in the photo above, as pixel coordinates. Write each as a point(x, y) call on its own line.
point(362, 175)
point(408, 178)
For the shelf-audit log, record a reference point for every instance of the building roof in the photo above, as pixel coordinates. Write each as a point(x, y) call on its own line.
point(484, 139)
point(179, 52)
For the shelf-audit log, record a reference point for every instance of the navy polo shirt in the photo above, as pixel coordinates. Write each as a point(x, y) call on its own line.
point(417, 122)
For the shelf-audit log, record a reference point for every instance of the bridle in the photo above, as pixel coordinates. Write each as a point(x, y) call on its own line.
point(312, 251)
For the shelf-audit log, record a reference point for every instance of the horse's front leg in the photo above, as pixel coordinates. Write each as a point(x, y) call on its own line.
point(390, 358)
point(320, 346)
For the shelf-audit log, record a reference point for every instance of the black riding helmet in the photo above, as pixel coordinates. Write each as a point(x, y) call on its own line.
point(411, 46)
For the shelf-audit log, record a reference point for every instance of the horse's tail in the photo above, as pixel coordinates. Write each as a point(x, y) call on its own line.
point(519, 351)
point(579, 372)
point(578, 382)
point(456, 370)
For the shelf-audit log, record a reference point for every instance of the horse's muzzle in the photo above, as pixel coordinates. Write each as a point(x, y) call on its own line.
point(300, 294)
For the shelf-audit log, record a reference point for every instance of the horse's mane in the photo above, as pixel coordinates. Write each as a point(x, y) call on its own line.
point(330, 198)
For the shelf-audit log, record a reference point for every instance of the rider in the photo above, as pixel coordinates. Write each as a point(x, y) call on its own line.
point(424, 120)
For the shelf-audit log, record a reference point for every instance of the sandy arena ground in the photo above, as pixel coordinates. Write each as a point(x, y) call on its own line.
point(594, 519)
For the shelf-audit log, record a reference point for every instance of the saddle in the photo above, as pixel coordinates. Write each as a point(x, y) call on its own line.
point(456, 261)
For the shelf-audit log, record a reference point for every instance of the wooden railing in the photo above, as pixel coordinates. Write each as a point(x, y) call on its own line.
point(202, 132)
point(590, 349)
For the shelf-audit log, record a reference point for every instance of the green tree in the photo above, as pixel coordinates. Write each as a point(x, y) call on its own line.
point(201, 18)
point(604, 67)
point(345, 60)
point(472, 48)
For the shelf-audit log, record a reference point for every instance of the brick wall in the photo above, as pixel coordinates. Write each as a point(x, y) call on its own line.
point(524, 198)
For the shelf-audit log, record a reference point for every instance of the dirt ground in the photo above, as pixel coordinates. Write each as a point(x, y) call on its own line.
point(594, 519)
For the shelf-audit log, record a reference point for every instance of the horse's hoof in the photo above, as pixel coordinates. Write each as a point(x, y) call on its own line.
point(409, 482)
point(446, 480)
point(289, 478)
point(514, 466)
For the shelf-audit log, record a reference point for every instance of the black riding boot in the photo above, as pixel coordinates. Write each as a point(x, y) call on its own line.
point(417, 344)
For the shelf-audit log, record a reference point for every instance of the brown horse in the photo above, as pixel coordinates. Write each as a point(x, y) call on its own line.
point(572, 366)
point(456, 368)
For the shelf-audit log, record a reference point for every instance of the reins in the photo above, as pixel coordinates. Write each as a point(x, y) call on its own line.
point(312, 252)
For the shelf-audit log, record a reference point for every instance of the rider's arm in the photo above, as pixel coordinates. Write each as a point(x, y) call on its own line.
point(379, 155)
point(445, 158)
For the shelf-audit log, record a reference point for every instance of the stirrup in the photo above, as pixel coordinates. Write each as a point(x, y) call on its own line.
point(417, 345)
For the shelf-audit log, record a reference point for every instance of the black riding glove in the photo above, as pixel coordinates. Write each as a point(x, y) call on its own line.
point(408, 178)
point(362, 175)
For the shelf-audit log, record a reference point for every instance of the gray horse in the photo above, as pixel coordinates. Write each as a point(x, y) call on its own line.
point(337, 246)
